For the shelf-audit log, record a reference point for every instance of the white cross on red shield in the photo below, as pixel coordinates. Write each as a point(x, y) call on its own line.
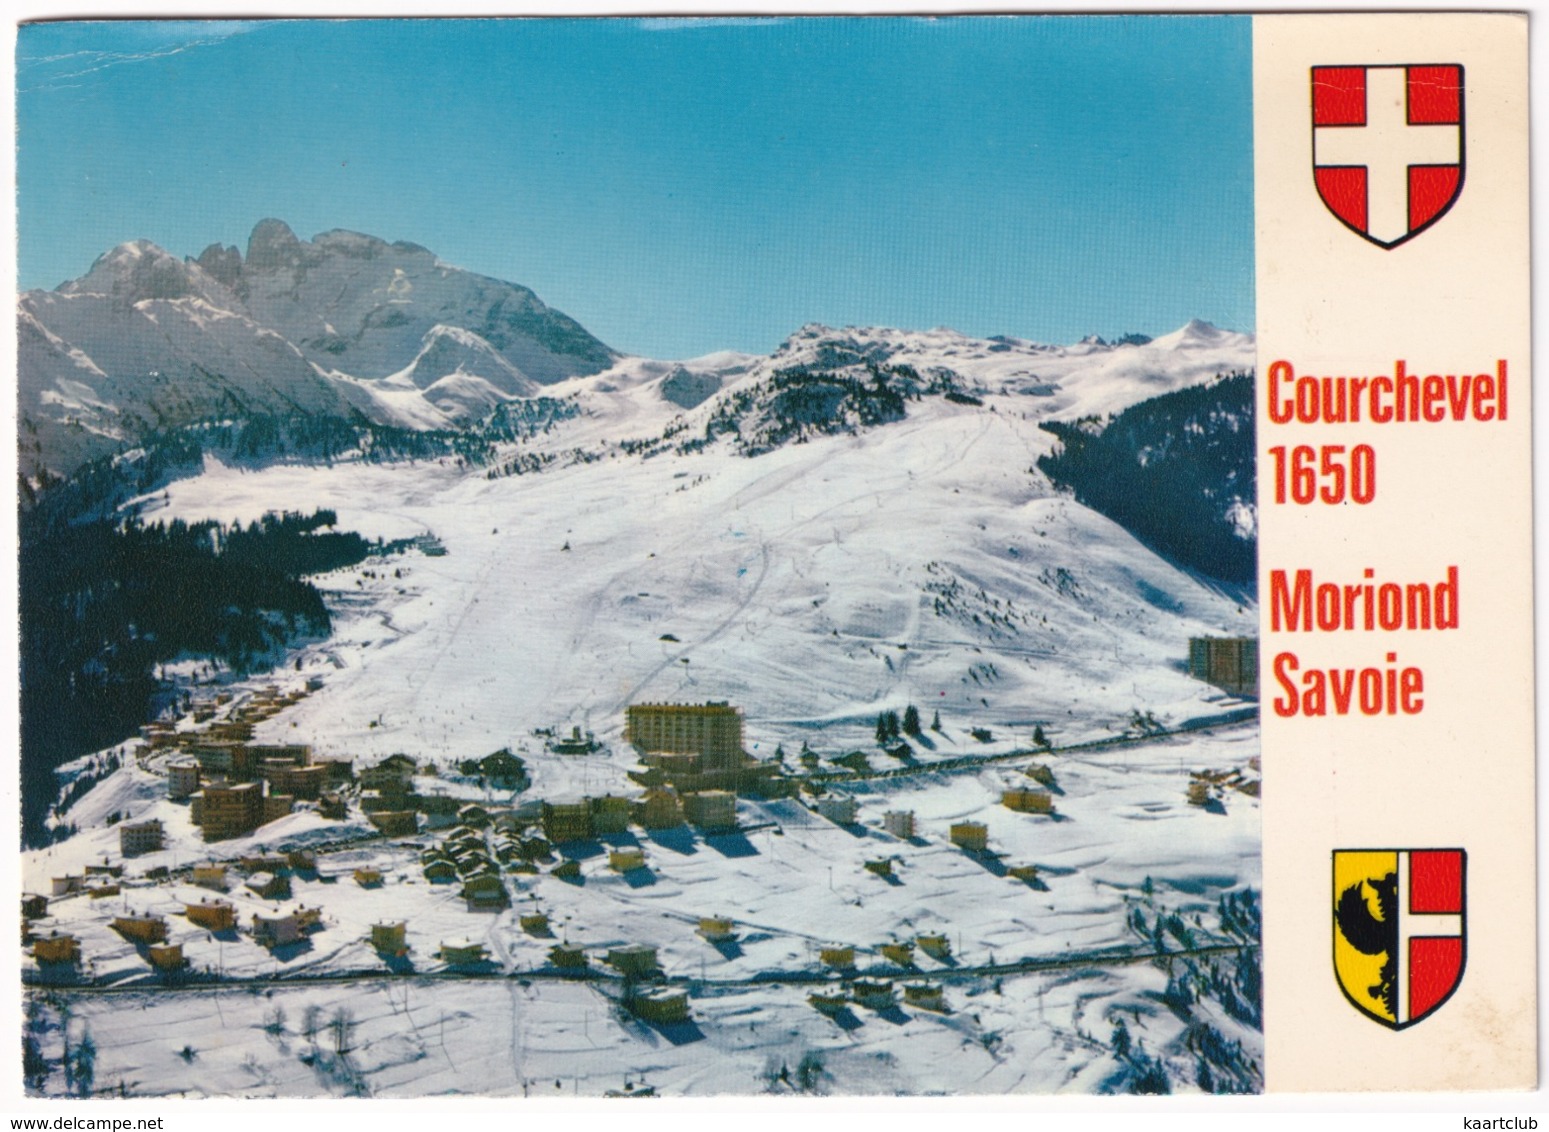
point(1387, 146)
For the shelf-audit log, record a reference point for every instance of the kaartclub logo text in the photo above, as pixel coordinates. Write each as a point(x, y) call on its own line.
point(1399, 930)
point(1387, 146)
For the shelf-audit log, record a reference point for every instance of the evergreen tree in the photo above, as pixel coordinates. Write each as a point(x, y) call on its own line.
point(911, 720)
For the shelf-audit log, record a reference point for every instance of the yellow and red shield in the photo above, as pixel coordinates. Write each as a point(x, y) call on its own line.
point(1399, 930)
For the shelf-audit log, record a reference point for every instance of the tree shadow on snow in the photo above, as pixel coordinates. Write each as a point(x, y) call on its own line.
point(639, 878)
point(729, 948)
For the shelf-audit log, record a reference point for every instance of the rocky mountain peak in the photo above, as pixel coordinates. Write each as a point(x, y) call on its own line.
point(273, 246)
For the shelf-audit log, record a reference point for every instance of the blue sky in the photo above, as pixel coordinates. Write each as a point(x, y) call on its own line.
point(680, 186)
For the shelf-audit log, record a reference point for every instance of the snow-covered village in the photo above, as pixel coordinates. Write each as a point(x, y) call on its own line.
point(800, 723)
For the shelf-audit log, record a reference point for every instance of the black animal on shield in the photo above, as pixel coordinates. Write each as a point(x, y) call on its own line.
point(1373, 936)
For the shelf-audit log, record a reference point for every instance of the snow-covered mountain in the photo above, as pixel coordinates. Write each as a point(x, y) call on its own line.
point(346, 326)
point(351, 327)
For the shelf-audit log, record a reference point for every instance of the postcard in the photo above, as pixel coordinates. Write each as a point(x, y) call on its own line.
point(663, 557)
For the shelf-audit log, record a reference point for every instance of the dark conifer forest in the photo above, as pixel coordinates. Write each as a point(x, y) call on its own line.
point(1171, 471)
point(104, 603)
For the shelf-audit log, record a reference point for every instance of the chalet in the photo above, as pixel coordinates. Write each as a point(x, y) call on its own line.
point(475, 864)
point(212, 915)
point(926, 996)
point(166, 956)
point(661, 1005)
point(880, 866)
point(276, 931)
point(486, 893)
point(634, 960)
point(332, 807)
point(876, 994)
point(716, 929)
point(104, 870)
point(1040, 774)
point(103, 891)
point(534, 923)
point(269, 886)
point(210, 876)
point(837, 955)
point(141, 929)
point(714, 811)
point(34, 907)
point(970, 835)
point(473, 815)
point(503, 770)
point(899, 954)
point(1027, 873)
point(440, 870)
point(56, 947)
point(936, 945)
point(626, 860)
point(536, 849)
point(462, 952)
point(567, 957)
point(63, 886)
point(900, 823)
point(390, 938)
point(368, 877)
point(568, 870)
point(1026, 800)
point(828, 1003)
